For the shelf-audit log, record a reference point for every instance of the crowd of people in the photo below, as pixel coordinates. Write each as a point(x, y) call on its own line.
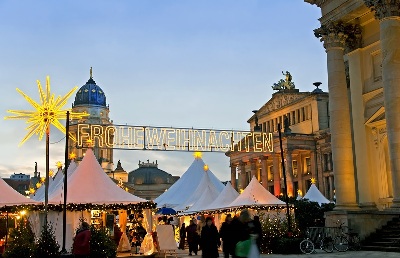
point(204, 235)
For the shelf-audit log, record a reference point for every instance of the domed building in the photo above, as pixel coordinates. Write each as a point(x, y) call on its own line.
point(148, 181)
point(91, 99)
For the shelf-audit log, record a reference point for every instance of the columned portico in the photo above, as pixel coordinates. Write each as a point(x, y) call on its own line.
point(242, 178)
point(277, 177)
point(289, 173)
point(264, 172)
point(389, 16)
point(334, 39)
point(233, 176)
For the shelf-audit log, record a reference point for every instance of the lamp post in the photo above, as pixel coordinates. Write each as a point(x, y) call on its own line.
point(63, 250)
point(284, 182)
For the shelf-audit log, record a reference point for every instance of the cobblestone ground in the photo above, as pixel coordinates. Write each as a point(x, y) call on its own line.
point(318, 254)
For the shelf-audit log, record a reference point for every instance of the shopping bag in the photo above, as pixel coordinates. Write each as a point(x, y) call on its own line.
point(253, 253)
point(242, 248)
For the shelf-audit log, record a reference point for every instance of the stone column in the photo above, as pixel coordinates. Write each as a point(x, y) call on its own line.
point(334, 38)
point(233, 175)
point(264, 172)
point(388, 13)
point(277, 177)
point(242, 175)
point(253, 172)
point(332, 195)
point(289, 173)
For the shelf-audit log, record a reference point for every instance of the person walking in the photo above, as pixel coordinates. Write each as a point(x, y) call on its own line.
point(81, 245)
point(192, 237)
point(226, 233)
point(182, 236)
point(241, 228)
point(209, 239)
point(257, 231)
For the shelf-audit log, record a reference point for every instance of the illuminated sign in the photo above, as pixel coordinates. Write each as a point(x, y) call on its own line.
point(172, 139)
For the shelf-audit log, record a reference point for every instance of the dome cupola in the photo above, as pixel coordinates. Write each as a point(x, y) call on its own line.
point(90, 94)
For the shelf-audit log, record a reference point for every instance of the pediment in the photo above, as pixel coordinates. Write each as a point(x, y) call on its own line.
point(282, 99)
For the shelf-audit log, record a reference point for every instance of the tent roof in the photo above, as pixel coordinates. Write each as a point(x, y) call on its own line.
point(182, 189)
point(255, 194)
point(205, 193)
point(10, 197)
point(88, 184)
point(314, 195)
point(226, 197)
point(54, 183)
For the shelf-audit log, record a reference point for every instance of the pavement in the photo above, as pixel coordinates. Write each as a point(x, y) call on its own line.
point(317, 254)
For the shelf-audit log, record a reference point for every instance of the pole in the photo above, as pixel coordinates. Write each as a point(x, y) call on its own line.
point(63, 250)
point(284, 182)
point(46, 183)
point(5, 244)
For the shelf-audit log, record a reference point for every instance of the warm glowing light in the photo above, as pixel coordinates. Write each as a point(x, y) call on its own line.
point(59, 164)
point(313, 180)
point(42, 179)
point(38, 185)
point(89, 142)
point(22, 213)
point(46, 113)
point(126, 189)
point(72, 155)
point(299, 192)
point(32, 190)
point(205, 167)
point(197, 155)
point(241, 191)
point(51, 173)
point(18, 217)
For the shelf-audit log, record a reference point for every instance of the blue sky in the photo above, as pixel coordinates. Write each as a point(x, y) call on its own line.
point(181, 63)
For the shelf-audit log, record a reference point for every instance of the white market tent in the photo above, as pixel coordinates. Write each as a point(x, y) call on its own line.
point(226, 197)
point(10, 197)
point(205, 193)
point(88, 184)
point(255, 194)
point(54, 183)
point(182, 189)
point(314, 195)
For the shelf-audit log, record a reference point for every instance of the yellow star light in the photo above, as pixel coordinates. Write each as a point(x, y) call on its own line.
point(197, 155)
point(72, 155)
point(46, 113)
point(59, 164)
point(205, 167)
point(313, 180)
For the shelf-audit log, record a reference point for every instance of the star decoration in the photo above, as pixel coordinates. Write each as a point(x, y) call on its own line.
point(46, 113)
point(197, 155)
point(313, 180)
point(205, 167)
point(72, 155)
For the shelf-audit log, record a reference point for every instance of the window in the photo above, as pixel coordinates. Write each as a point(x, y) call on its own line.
point(264, 127)
point(293, 117)
point(307, 166)
point(326, 162)
point(294, 168)
point(270, 173)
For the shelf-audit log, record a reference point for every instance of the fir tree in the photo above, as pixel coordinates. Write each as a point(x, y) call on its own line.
point(101, 245)
point(47, 246)
point(21, 242)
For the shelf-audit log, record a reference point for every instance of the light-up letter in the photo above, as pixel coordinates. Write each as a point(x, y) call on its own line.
point(109, 136)
point(171, 139)
point(97, 135)
point(200, 139)
point(139, 137)
point(152, 138)
point(257, 142)
point(83, 134)
point(224, 135)
point(212, 141)
point(268, 142)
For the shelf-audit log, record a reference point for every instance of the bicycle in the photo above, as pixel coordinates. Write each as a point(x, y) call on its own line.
point(341, 242)
point(307, 246)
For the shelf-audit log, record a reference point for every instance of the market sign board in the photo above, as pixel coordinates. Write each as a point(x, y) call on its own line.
point(172, 139)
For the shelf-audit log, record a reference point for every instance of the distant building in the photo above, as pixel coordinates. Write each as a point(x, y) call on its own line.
point(20, 182)
point(304, 121)
point(148, 181)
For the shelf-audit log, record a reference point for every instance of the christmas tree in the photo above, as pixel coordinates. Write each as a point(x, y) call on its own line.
point(101, 245)
point(47, 246)
point(21, 241)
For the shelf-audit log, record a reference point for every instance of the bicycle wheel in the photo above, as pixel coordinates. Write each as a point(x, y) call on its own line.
point(355, 243)
point(341, 243)
point(306, 246)
point(327, 244)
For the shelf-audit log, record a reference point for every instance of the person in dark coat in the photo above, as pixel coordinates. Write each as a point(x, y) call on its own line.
point(192, 238)
point(258, 231)
point(182, 236)
point(209, 240)
point(81, 245)
point(241, 229)
point(227, 235)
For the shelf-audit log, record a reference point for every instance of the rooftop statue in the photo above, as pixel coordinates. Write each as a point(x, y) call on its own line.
point(286, 84)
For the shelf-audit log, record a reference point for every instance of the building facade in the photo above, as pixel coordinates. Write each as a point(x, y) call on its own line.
point(303, 117)
point(91, 99)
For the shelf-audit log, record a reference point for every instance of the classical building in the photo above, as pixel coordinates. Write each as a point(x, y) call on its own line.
point(304, 120)
point(91, 99)
point(361, 38)
point(148, 181)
